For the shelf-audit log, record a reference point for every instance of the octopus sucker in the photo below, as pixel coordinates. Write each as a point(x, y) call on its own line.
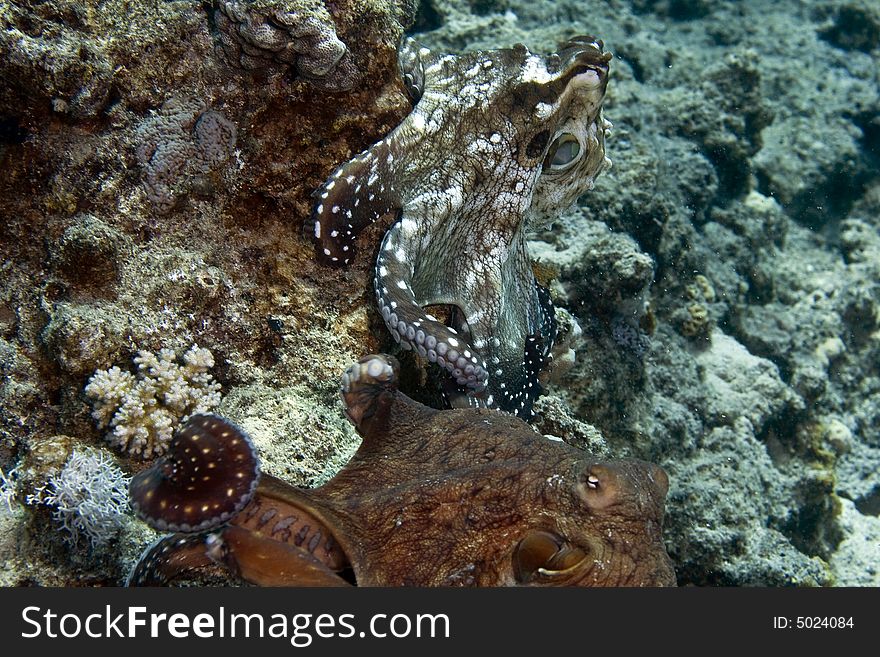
point(497, 141)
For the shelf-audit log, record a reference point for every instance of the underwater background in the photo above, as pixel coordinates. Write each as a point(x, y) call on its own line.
point(155, 197)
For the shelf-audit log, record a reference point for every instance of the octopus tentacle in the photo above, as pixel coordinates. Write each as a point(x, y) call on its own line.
point(263, 561)
point(411, 61)
point(367, 390)
point(357, 193)
point(168, 558)
point(208, 475)
point(413, 328)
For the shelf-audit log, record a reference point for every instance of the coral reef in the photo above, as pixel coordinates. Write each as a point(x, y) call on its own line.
point(46, 59)
point(851, 25)
point(744, 151)
point(142, 411)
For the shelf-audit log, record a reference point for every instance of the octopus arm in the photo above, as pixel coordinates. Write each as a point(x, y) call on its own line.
point(266, 562)
point(169, 558)
point(412, 60)
point(414, 329)
point(357, 194)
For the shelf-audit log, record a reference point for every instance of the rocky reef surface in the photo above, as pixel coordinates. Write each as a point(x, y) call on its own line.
point(158, 163)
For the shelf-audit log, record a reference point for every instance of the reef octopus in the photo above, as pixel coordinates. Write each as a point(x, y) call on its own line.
point(496, 142)
point(462, 497)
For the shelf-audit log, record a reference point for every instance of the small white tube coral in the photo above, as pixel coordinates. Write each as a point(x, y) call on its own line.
point(89, 496)
point(7, 489)
point(142, 411)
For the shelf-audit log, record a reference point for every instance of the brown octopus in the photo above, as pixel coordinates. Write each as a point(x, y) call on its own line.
point(466, 497)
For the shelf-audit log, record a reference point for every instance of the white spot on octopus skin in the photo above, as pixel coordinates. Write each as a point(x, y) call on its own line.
point(317, 230)
point(402, 285)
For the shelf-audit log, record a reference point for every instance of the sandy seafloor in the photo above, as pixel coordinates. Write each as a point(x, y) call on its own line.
point(739, 228)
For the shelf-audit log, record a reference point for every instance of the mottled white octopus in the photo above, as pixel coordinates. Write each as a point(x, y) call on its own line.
point(496, 142)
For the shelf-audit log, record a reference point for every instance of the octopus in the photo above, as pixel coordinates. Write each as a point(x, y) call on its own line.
point(497, 142)
point(460, 497)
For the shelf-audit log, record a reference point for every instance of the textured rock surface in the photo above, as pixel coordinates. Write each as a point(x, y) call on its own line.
point(736, 236)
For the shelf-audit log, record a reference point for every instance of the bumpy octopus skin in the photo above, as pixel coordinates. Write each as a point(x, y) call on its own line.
point(496, 142)
point(462, 497)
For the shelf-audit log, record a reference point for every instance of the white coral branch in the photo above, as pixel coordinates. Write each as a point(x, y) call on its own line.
point(142, 411)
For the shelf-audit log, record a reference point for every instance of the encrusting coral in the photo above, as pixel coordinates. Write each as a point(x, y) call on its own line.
point(143, 411)
point(181, 140)
point(299, 34)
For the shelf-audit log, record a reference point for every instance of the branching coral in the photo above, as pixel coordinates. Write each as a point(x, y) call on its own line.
point(142, 411)
point(89, 496)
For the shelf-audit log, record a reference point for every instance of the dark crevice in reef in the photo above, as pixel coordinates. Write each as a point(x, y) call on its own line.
point(733, 174)
point(635, 64)
point(812, 523)
point(11, 132)
point(679, 10)
point(870, 126)
point(853, 28)
point(208, 8)
point(820, 208)
point(869, 504)
point(811, 527)
point(486, 7)
point(427, 18)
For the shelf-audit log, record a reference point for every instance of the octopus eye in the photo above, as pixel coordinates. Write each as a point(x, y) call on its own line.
point(542, 555)
point(564, 151)
point(601, 486)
